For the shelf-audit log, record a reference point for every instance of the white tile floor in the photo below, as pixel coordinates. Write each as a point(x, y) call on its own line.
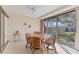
point(72, 51)
point(18, 47)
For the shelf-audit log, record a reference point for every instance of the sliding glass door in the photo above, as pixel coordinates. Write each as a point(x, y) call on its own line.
point(66, 29)
point(64, 26)
point(50, 26)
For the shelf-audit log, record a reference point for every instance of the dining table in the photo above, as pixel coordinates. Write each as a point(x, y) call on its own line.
point(37, 35)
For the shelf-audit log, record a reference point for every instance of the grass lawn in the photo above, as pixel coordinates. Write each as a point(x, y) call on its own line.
point(69, 33)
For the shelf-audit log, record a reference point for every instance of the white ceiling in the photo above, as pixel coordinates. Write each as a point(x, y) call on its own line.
point(38, 10)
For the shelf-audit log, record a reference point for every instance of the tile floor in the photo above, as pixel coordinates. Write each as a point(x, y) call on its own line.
point(18, 47)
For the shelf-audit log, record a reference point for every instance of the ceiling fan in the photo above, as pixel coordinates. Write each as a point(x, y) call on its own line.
point(31, 7)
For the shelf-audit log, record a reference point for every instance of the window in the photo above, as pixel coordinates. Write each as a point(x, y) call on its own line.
point(64, 26)
point(50, 26)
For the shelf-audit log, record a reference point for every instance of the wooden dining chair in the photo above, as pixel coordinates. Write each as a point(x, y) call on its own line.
point(36, 44)
point(50, 42)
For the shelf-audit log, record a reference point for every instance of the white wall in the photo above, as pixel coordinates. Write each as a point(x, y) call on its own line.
point(16, 22)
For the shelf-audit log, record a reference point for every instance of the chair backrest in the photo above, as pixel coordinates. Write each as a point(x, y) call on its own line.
point(51, 40)
point(37, 43)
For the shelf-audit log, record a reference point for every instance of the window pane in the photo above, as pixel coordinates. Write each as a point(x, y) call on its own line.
point(66, 28)
point(50, 25)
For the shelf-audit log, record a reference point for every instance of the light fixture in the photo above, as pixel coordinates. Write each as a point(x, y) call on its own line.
point(31, 7)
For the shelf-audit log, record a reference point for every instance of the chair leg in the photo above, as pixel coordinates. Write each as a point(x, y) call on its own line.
point(33, 51)
point(26, 45)
point(47, 48)
point(31, 46)
point(55, 49)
